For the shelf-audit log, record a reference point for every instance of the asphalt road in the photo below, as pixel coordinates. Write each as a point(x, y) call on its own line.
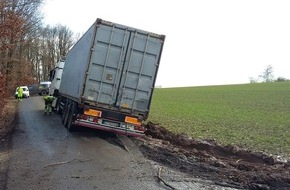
point(44, 155)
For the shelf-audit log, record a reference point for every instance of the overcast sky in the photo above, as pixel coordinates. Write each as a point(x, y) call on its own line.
point(208, 42)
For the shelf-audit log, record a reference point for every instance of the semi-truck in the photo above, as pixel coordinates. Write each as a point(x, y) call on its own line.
point(55, 77)
point(107, 79)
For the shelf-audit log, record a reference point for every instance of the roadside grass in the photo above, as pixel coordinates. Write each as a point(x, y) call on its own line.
point(253, 116)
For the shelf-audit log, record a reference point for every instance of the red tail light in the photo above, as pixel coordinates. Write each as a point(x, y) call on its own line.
point(84, 117)
point(139, 128)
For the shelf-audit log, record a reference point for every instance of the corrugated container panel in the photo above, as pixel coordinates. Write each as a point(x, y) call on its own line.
point(76, 62)
point(123, 64)
point(140, 71)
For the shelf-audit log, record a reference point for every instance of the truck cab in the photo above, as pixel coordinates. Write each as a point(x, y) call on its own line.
point(55, 77)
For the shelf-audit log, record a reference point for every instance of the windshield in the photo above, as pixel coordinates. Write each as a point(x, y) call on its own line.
point(44, 85)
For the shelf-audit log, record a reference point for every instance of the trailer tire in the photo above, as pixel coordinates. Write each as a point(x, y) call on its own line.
point(71, 127)
point(57, 107)
point(65, 113)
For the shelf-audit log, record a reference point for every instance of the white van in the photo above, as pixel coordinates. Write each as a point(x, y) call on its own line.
point(25, 93)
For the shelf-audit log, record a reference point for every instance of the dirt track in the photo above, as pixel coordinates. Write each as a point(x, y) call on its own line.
point(228, 165)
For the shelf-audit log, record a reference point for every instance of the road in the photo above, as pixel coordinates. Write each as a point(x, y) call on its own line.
point(45, 156)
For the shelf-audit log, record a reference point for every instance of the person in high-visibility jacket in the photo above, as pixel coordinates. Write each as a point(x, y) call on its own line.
point(48, 102)
point(20, 93)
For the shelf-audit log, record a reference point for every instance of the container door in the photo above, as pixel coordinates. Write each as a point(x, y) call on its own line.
point(139, 73)
point(106, 64)
point(123, 67)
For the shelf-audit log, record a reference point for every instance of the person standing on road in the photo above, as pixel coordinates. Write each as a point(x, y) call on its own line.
point(20, 93)
point(48, 102)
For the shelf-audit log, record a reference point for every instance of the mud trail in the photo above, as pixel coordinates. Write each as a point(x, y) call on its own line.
point(225, 165)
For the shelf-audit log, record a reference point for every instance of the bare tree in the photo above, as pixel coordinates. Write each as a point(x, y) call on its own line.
point(55, 43)
point(253, 80)
point(18, 19)
point(48, 50)
point(267, 75)
point(65, 40)
point(28, 51)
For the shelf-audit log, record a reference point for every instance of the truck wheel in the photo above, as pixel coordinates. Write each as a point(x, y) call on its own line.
point(70, 125)
point(65, 114)
point(57, 107)
point(43, 93)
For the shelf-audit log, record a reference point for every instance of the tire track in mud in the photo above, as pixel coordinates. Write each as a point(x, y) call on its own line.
point(227, 165)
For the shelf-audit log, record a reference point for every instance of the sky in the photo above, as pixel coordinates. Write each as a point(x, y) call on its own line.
point(208, 42)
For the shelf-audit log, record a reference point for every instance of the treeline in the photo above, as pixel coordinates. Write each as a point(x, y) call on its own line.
point(28, 49)
point(267, 76)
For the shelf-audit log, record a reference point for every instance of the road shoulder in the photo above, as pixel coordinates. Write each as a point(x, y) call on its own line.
point(7, 122)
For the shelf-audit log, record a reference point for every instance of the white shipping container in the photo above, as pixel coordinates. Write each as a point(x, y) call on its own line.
point(113, 66)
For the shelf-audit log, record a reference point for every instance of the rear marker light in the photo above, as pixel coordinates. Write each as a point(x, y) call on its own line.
point(132, 120)
point(93, 112)
point(139, 128)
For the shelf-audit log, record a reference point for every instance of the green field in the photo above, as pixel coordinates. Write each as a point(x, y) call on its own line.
point(254, 116)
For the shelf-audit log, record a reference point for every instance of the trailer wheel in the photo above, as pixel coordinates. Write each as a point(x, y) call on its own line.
point(58, 108)
point(65, 113)
point(70, 125)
